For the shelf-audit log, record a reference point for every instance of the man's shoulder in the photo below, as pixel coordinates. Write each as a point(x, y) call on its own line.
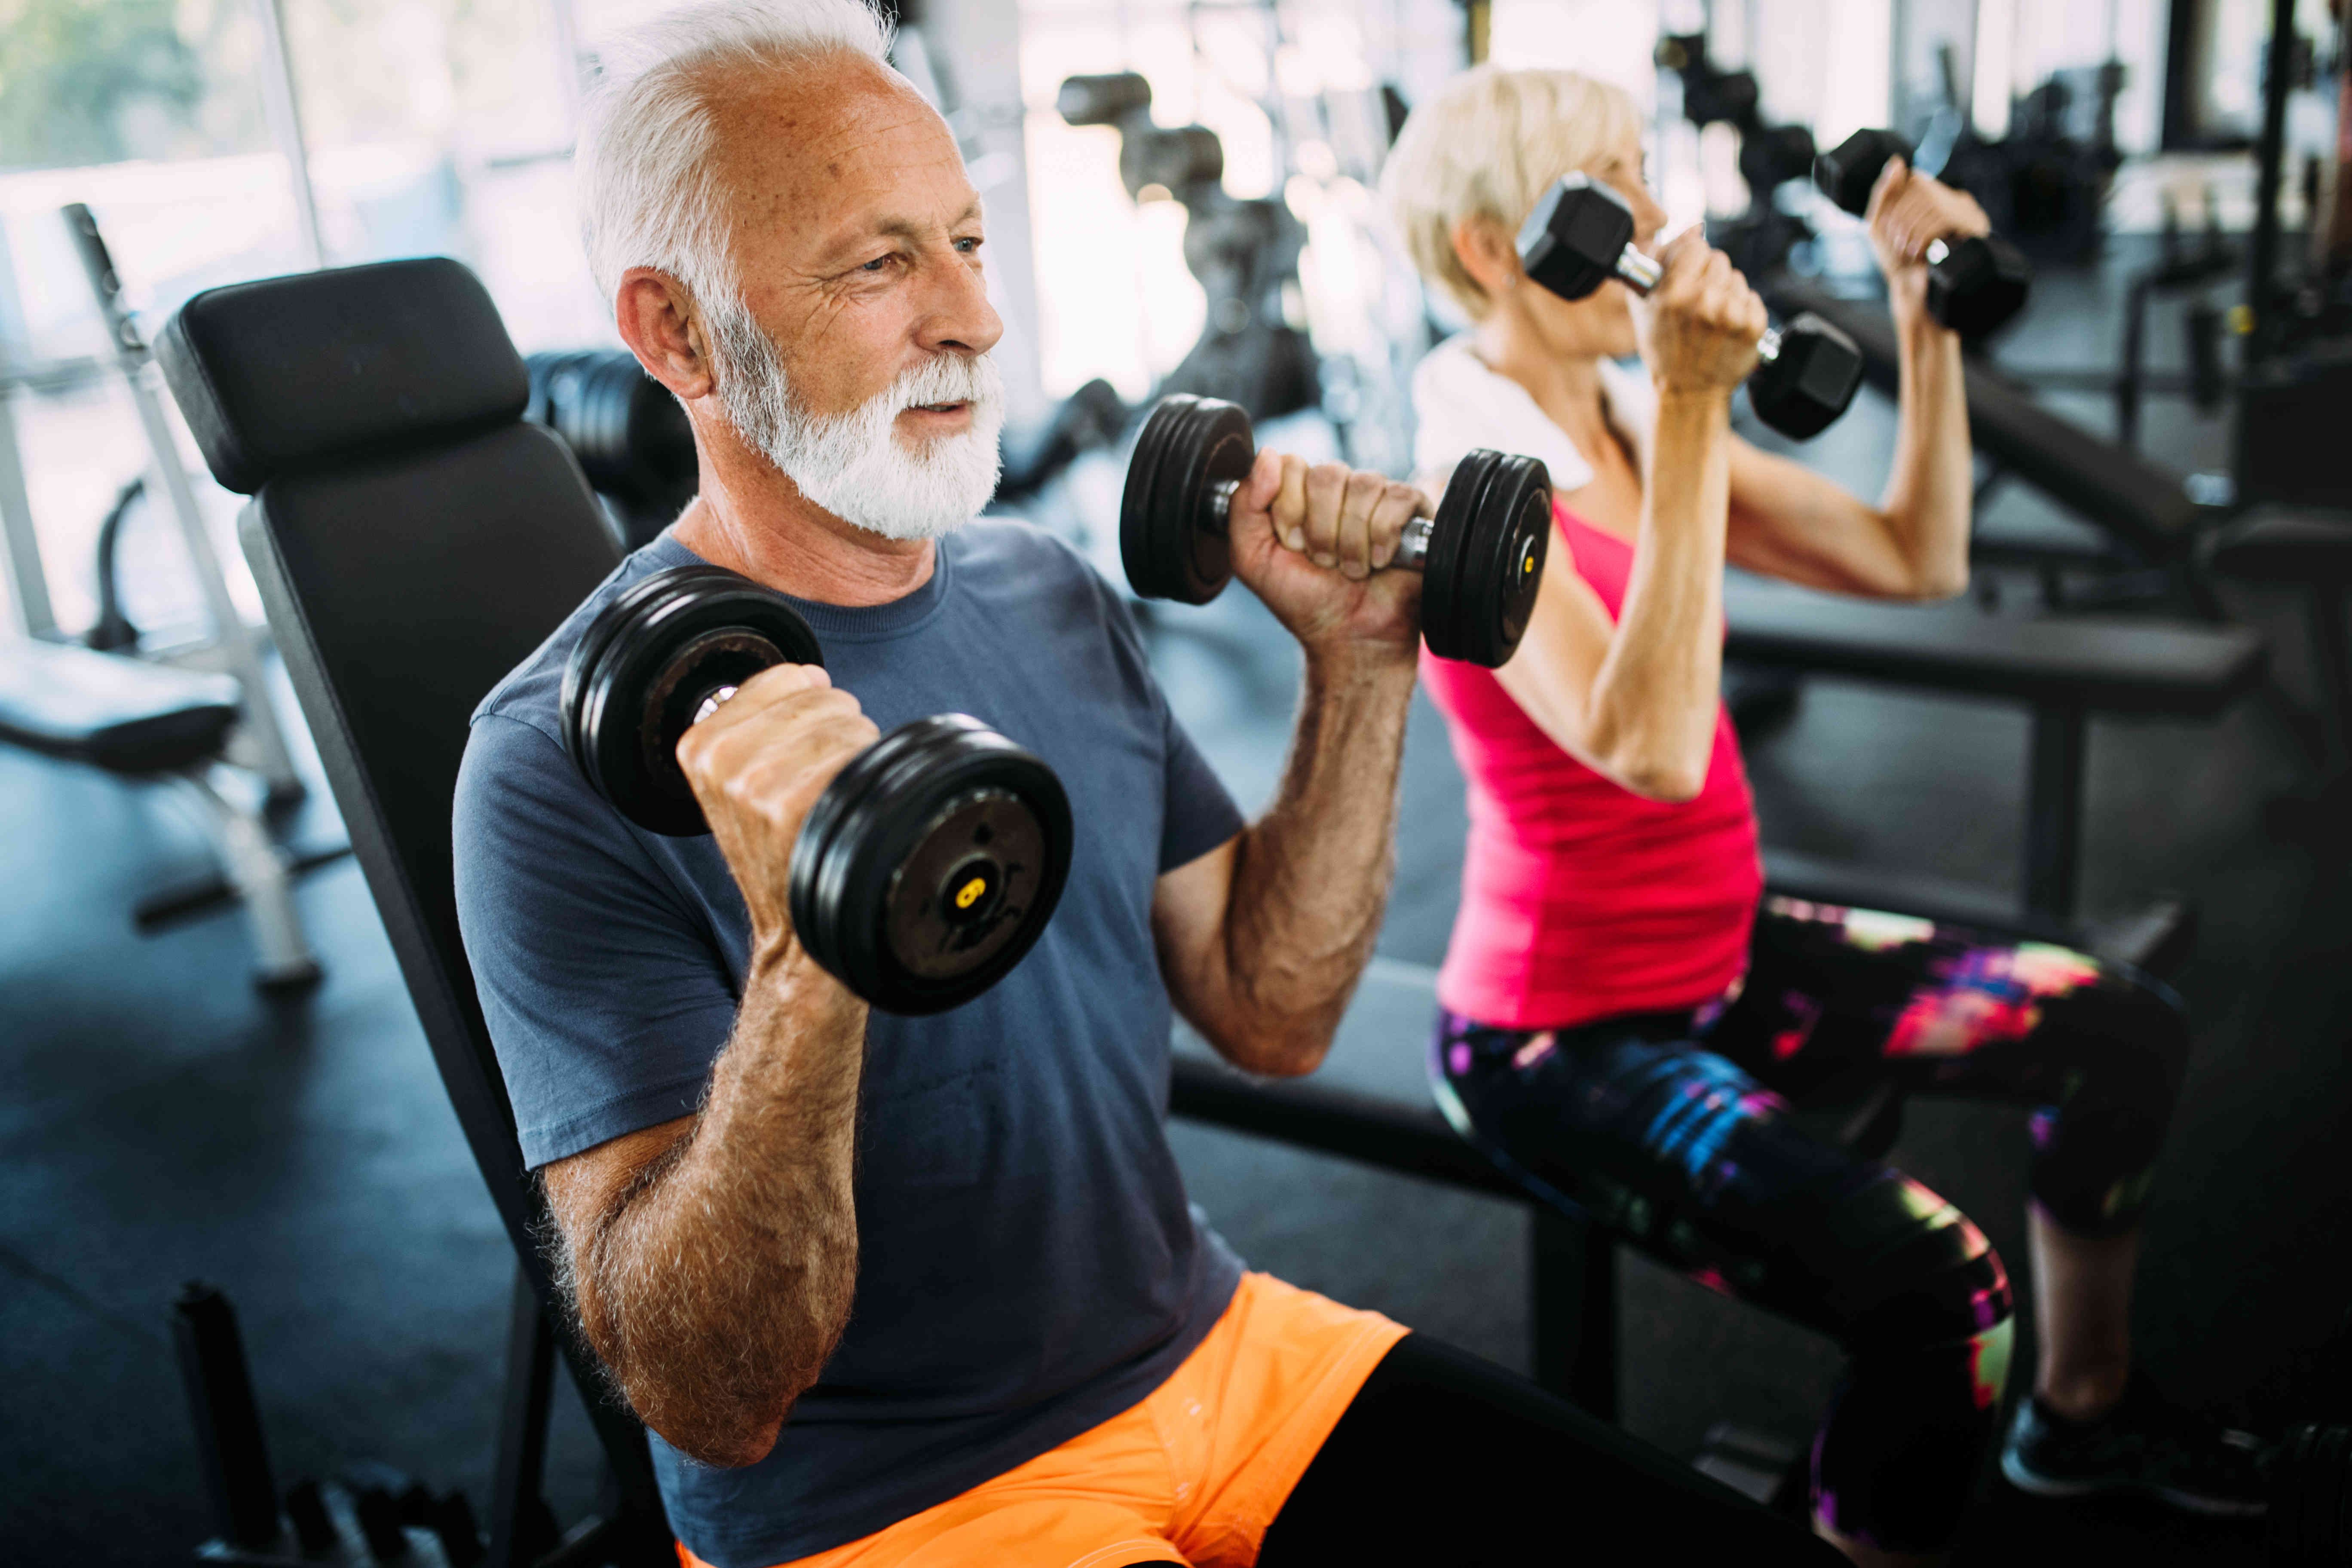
point(999, 553)
point(531, 693)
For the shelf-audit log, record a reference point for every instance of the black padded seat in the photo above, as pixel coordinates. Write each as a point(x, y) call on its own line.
point(124, 715)
point(2108, 484)
point(2109, 665)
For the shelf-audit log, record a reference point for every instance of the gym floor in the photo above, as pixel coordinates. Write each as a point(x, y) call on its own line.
point(160, 1121)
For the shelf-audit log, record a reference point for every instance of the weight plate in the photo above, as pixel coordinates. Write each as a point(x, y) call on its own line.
point(1501, 564)
point(652, 662)
point(931, 865)
point(1172, 545)
point(1445, 608)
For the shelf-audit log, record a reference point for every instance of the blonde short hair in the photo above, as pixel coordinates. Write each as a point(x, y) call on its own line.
point(1487, 146)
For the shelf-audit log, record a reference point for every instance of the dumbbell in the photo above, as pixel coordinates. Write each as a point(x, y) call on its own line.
point(1975, 283)
point(1481, 557)
point(1580, 235)
point(924, 870)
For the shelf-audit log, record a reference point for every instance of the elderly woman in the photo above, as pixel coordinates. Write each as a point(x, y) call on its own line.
point(1621, 1015)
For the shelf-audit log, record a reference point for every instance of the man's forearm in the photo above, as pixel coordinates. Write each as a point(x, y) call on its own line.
point(1311, 876)
point(716, 1284)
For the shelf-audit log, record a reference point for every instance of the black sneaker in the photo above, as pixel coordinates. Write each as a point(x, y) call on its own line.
point(2144, 1444)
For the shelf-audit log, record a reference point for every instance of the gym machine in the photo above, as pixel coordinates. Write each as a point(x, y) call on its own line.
point(1243, 252)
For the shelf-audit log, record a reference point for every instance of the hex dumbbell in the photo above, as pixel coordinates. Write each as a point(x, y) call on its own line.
point(1975, 282)
point(925, 869)
point(1481, 557)
point(1580, 235)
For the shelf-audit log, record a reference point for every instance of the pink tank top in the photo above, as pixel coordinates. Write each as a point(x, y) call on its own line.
point(1580, 898)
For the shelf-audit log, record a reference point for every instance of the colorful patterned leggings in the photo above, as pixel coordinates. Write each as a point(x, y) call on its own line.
point(1671, 1130)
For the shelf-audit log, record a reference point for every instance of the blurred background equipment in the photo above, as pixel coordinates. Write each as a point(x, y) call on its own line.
point(631, 437)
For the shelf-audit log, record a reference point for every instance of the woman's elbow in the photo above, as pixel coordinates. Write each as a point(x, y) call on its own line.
point(1674, 783)
point(1943, 580)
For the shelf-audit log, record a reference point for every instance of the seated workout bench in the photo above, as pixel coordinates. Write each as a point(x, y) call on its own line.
point(144, 721)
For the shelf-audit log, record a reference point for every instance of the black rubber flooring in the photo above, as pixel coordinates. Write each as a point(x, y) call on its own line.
point(161, 1121)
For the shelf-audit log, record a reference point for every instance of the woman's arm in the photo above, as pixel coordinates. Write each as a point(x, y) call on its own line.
point(1637, 700)
point(1788, 522)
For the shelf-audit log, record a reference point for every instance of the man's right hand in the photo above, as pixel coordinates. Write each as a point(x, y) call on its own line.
point(1699, 326)
point(757, 766)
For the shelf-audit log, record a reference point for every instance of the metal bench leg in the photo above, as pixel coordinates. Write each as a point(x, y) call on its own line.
point(1572, 1277)
point(2053, 810)
point(258, 870)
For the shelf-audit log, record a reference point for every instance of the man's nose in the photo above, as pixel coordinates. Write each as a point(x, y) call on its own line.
point(960, 318)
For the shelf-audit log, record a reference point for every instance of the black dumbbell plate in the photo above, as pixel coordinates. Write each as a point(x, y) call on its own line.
point(645, 667)
point(1186, 448)
point(1487, 548)
point(931, 865)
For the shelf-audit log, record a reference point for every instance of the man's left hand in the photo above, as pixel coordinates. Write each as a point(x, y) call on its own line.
point(1909, 212)
point(1310, 541)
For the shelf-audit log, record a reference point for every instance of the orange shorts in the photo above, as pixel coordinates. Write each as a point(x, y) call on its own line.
point(1193, 1473)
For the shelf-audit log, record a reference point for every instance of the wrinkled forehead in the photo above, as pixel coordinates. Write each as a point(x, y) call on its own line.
point(823, 149)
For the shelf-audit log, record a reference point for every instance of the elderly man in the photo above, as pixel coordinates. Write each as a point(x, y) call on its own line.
point(897, 1290)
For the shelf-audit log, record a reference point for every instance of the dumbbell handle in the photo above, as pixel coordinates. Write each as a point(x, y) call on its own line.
point(1412, 545)
point(1641, 272)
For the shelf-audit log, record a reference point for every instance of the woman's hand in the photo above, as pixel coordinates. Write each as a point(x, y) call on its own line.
point(1909, 212)
point(1699, 326)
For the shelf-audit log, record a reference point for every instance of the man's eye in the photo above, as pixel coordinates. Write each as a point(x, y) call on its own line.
point(876, 265)
point(968, 247)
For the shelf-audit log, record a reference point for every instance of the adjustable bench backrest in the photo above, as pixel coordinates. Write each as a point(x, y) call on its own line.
point(2107, 485)
point(414, 541)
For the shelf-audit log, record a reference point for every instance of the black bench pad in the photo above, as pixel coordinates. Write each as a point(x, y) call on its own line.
point(2108, 484)
point(2302, 549)
point(2094, 662)
point(121, 714)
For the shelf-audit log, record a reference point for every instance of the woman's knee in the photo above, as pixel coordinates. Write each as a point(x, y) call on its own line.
point(1928, 1277)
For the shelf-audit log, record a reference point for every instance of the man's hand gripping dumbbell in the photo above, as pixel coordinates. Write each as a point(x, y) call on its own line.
point(1580, 235)
point(1201, 504)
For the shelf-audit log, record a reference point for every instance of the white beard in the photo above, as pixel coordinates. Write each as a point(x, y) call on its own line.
point(854, 465)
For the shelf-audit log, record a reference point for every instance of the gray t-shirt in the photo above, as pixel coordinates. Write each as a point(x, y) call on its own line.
point(1028, 1266)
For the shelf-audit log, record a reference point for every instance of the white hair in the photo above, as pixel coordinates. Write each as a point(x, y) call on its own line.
point(1485, 148)
point(647, 194)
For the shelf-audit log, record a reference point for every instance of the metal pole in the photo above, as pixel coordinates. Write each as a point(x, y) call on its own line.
point(2262, 251)
point(28, 586)
point(234, 637)
point(285, 112)
point(565, 23)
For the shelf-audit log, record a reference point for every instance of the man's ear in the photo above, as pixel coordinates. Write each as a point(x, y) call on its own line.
point(659, 325)
point(1487, 255)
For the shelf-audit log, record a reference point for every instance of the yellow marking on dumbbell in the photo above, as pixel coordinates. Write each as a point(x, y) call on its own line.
point(970, 893)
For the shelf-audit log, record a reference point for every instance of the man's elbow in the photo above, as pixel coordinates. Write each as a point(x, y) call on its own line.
point(1269, 1048)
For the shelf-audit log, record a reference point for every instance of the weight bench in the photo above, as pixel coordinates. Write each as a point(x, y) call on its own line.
point(2064, 668)
point(147, 722)
point(414, 540)
point(2143, 507)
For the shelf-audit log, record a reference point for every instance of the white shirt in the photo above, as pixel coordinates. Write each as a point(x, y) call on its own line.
point(1461, 405)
